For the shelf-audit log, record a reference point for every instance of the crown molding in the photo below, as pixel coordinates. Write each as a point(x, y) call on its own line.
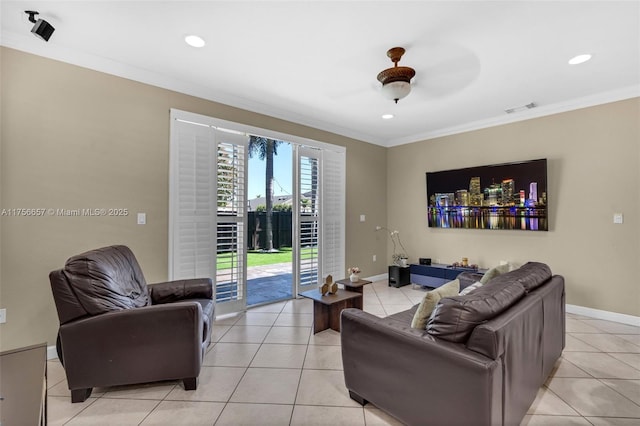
point(541, 111)
point(108, 66)
point(97, 63)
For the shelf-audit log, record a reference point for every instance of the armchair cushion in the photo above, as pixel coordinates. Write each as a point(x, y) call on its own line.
point(107, 279)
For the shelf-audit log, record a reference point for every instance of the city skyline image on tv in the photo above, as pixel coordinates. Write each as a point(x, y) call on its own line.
point(500, 196)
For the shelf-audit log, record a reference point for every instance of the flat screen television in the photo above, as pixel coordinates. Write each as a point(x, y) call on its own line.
point(499, 196)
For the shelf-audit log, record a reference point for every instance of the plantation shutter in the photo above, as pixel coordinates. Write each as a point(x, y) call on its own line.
point(333, 183)
point(192, 206)
point(231, 218)
point(308, 219)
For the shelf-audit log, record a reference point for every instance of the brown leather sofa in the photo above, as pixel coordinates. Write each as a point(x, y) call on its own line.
point(480, 361)
point(116, 330)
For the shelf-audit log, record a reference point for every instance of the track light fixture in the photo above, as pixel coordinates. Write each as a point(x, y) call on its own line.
point(42, 28)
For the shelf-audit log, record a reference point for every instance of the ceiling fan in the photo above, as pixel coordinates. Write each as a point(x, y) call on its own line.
point(396, 81)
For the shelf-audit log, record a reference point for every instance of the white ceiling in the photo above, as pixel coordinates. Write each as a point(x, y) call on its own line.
point(315, 62)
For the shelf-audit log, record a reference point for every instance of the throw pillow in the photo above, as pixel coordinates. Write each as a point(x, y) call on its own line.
point(430, 300)
point(498, 270)
point(470, 288)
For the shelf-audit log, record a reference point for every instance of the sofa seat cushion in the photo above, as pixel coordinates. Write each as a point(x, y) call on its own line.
point(404, 316)
point(454, 318)
point(428, 303)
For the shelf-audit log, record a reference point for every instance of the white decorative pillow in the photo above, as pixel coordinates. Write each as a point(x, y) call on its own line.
point(470, 288)
point(498, 270)
point(430, 301)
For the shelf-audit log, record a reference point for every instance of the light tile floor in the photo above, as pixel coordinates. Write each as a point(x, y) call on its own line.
point(265, 367)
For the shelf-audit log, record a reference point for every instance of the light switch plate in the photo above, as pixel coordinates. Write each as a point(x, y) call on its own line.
point(3, 316)
point(618, 218)
point(362, 218)
point(142, 218)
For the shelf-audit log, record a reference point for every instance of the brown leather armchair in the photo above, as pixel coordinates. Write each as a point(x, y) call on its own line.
point(116, 330)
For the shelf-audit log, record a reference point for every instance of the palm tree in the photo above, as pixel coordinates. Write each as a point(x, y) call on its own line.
point(265, 149)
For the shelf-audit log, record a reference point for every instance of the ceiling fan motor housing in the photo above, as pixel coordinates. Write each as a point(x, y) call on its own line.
point(396, 81)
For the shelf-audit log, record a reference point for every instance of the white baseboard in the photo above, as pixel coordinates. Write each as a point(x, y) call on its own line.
point(378, 277)
point(603, 315)
point(51, 352)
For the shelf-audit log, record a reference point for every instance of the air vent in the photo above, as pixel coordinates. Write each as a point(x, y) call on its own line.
point(520, 108)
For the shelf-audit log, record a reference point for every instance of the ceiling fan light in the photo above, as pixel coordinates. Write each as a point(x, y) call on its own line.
point(396, 90)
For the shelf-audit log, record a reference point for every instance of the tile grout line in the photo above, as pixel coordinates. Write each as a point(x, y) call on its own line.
point(226, 404)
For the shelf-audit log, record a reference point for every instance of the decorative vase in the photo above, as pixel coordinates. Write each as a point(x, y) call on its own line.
point(354, 278)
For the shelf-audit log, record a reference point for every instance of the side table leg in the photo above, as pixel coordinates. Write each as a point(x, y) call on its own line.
point(321, 316)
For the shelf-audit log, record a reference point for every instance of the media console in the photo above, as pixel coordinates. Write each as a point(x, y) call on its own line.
point(436, 274)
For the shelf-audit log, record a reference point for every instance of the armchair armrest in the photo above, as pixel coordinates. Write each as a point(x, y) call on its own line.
point(133, 345)
point(172, 291)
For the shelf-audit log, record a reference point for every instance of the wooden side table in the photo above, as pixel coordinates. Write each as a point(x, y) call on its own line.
point(326, 309)
point(355, 286)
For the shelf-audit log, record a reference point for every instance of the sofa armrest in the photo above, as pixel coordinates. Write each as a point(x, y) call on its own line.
point(133, 345)
point(415, 376)
point(468, 278)
point(172, 291)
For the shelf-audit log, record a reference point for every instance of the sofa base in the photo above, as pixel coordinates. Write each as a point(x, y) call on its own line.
point(357, 398)
point(80, 395)
point(191, 383)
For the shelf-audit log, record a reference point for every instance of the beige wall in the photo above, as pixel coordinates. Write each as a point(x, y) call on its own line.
point(593, 161)
point(75, 138)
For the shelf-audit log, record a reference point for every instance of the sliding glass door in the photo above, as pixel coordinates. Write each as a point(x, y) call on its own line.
point(208, 205)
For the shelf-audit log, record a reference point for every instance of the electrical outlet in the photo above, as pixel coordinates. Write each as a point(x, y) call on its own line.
point(142, 218)
point(3, 316)
point(618, 218)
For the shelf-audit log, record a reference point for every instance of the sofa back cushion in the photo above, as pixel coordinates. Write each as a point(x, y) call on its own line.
point(454, 318)
point(531, 275)
point(107, 279)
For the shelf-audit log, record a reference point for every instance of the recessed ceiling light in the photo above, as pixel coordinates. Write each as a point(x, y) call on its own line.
point(579, 59)
point(194, 40)
point(387, 116)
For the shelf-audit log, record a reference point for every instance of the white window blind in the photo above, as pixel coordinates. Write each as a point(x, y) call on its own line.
point(230, 221)
point(192, 210)
point(333, 214)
